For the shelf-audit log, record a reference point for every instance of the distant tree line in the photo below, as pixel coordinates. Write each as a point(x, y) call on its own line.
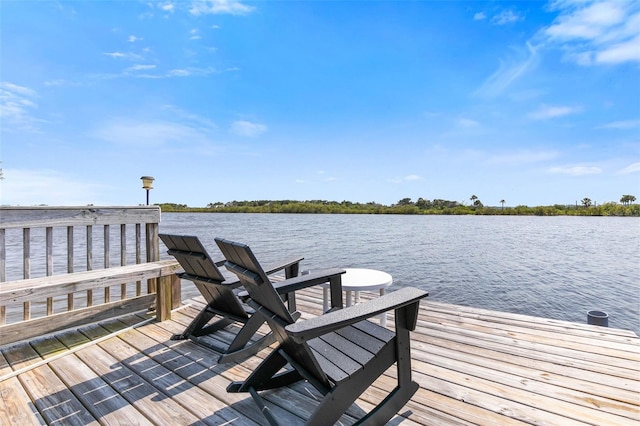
point(586, 207)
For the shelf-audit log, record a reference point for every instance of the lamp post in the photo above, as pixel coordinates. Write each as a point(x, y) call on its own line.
point(147, 181)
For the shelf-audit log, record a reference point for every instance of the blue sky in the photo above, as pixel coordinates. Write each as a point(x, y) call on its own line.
point(535, 102)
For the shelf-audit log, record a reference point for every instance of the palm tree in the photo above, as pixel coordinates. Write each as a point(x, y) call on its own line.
point(627, 199)
point(586, 202)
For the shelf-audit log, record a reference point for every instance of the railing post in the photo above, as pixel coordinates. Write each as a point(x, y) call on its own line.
point(163, 298)
point(153, 250)
point(176, 291)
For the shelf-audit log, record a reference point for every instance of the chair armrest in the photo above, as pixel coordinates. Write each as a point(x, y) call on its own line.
point(284, 264)
point(275, 267)
point(287, 263)
point(231, 283)
point(320, 276)
point(306, 330)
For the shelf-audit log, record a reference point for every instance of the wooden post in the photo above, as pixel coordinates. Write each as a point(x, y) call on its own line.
point(163, 298)
point(176, 292)
point(153, 250)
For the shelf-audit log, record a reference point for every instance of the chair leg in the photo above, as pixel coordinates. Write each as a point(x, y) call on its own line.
point(210, 329)
point(264, 409)
point(261, 377)
point(246, 332)
point(406, 387)
point(390, 406)
point(203, 317)
point(238, 348)
point(247, 351)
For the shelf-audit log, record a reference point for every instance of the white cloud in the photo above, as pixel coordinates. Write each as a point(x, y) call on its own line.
point(168, 7)
point(20, 90)
point(60, 82)
point(247, 128)
point(16, 107)
point(408, 178)
point(50, 187)
point(232, 7)
point(133, 39)
point(509, 72)
point(523, 157)
point(623, 124)
point(150, 71)
point(202, 123)
point(628, 51)
point(506, 17)
point(188, 72)
point(467, 122)
point(120, 55)
point(479, 16)
point(603, 32)
point(141, 67)
point(576, 170)
point(632, 168)
point(179, 73)
point(546, 112)
point(147, 133)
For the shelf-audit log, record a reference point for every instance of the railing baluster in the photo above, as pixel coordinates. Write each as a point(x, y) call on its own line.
point(123, 257)
point(26, 267)
point(49, 255)
point(138, 256)
point(89, 261)
point(70, 260)
point(3, 257)
point(107, 260)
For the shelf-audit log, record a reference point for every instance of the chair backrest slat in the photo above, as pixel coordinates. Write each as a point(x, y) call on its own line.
point(242, 262)
point(192, 255)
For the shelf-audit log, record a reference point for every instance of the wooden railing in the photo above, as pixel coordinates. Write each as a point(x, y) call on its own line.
point(63, 266)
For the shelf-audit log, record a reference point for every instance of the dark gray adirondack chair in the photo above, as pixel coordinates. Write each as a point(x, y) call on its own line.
point(222, 300)
point(339, 353)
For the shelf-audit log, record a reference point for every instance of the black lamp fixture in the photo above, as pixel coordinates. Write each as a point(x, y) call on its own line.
point(147, 182)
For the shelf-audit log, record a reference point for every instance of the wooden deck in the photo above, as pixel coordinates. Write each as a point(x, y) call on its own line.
point(474, 367)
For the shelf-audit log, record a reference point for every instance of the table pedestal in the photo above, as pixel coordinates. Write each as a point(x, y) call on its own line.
point(356, 280)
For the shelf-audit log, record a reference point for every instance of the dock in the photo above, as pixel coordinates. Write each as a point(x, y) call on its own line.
point(473, 366)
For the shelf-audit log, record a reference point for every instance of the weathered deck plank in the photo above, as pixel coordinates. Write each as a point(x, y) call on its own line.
point(132, 387)
point(15, 404)
point(54, 401)
point(474, 367)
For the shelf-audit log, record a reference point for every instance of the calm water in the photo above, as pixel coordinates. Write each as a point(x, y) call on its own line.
point(554, 267)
